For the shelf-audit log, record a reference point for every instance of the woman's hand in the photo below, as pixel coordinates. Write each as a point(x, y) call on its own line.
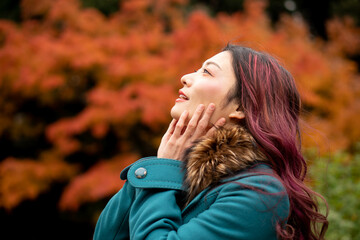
point(180, 136)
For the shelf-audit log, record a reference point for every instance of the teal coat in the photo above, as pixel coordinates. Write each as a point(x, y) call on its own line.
point(244, 205)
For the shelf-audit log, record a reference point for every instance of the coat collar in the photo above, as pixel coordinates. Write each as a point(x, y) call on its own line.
point(221, 156)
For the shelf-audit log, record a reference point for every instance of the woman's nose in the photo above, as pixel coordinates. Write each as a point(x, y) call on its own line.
point(186, 80)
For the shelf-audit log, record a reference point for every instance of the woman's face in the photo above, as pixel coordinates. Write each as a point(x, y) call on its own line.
point(209, 84)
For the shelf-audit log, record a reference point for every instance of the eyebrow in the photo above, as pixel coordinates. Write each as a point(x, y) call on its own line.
point(214, 63)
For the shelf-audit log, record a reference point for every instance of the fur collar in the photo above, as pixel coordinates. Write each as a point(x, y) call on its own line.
point(211, 159)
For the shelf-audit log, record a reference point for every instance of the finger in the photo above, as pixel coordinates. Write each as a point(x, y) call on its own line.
point(204, 121)
point(190, 128)
point(180, 124)
point(169, 131)
point(172, 125)
point(220, 123)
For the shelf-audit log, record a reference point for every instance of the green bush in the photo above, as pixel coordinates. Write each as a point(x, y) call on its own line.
point(337, 178)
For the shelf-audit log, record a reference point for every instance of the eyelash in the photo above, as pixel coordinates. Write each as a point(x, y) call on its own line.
point(205, 71)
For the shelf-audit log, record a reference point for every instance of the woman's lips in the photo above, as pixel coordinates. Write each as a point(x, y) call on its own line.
point(182, 97)
point(180, 100)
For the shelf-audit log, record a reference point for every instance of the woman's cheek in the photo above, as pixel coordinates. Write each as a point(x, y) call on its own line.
point(210, 93)
point(214, 95)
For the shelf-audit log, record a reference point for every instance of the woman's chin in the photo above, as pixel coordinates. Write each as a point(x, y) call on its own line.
point(177, 110)
point(175, 113)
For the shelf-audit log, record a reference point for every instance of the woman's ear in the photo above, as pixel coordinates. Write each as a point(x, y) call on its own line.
point(237, 115)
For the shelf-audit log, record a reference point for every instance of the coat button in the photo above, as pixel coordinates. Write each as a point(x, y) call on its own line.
point(140, 172)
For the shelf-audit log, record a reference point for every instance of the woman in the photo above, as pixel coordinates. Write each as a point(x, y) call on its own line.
point(229, 165)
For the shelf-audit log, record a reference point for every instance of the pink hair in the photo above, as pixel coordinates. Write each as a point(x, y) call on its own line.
point(266, 93)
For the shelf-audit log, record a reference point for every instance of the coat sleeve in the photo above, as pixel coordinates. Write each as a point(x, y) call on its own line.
point(113, 222)
point(237, 213)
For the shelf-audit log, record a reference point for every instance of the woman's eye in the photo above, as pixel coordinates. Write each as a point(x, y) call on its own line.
point(207, 72)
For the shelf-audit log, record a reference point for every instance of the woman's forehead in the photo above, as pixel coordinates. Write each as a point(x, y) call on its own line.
point(222, 59)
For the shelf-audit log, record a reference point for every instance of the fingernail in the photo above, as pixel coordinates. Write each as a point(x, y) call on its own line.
point(223, 121)
point(201, 107)
point(212, 106)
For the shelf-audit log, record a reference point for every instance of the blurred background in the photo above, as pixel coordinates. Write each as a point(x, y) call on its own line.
point(86, 87)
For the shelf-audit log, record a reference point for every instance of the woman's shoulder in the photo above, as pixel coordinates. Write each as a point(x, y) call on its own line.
point(260, 180)
point(250, 200)
point(260, 177)
point(256, 188)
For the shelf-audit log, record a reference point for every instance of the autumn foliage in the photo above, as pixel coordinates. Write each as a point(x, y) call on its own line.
point(83, 95)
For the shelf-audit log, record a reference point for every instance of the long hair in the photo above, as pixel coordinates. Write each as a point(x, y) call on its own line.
point(266, 93)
